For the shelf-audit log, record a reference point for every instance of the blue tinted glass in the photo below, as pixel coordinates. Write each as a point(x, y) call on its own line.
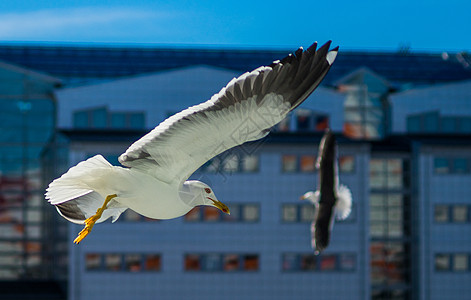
point(441, 165)
point(431, 122)
point(137, 120)
point(448, 124)
point(81, 119)
point(460, 165)
point(465, 125)
point(118, 120)
point(413, 124)
point(99, 118)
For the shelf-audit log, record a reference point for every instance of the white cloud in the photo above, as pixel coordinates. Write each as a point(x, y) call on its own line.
point(51, 22)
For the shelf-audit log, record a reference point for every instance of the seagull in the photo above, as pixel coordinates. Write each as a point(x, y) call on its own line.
point(153, 180)
point(331, 198)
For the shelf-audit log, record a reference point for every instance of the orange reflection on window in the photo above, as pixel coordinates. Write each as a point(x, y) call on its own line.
point(153, 262)
point(308, 163)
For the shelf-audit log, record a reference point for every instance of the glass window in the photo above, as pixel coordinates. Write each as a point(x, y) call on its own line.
point(250, 163)
point(460, 262)
point(193, 215)
point(231, 164)
point(414, 124)
point(211, 214)
point(347, 164)
point(92, 261)
point(441, 165)
point(460, 213)
point(193, 262)
point(303, 119)
point(153, 262)
point(289, 213)
point(321, 122)
point(231, 262)
point(442, 262)
point(251, 262)
point(448, 124)
point(212, 262)
point(308, 163)
point(289, 163)
point(250, 212)
point(133, 262)
point(431, 121)
point(290, 262)
point(347, 261)
point(308, 262)
point(118, 120)
point(137, 120)
point(328, 262)
point(99, 118)
point(307, 213)
point(81, 119)
point(235, 213)
point(465, 125)
point(460, 165)
point(212, 166)
point(113, 262)
point(441, 213)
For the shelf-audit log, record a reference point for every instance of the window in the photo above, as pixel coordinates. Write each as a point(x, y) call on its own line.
point(308, 163)
point(192, 262)
point(308, 262)
point(460, 262)
point(460, 165)
point(441, 165)
point(113, 262)
point(133, 262)
point(441, 213)
point(460, 213)
point(251, 262)
point(231, 262)
point(211, 214)
point(212, 262)
point(442, 262)
point(221, 262)
point(232, 163)
point(289, 213)
point(92, 261)
point(193, 215)
point(250, 212)
point(250, 164)
point(289, 163)
point(153, 262)
point(308, 212)
point(246, 212)
point(301, 262)
point(347, 164)
point(328, 262)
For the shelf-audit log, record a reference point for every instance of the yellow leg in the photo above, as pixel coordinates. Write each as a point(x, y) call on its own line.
point(91, 221)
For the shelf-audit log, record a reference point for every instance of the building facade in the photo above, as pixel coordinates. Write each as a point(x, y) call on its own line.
point(404, 132)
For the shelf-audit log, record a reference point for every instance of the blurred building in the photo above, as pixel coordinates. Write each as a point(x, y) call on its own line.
point(403, 123)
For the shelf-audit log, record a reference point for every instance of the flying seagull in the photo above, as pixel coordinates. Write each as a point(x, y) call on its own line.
point(331, 198)
point(154, 180)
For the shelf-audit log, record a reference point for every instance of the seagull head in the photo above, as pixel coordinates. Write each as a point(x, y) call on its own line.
point(205, 196)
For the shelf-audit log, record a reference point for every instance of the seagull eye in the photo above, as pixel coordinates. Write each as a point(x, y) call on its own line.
point(207, 190)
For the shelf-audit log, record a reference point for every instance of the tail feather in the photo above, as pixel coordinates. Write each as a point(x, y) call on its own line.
point(343, 206)
point(75, 200)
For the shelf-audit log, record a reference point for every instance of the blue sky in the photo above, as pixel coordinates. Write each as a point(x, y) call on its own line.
point(431, 26)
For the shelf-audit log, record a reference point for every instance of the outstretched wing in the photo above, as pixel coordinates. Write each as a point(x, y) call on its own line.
point(244, 110)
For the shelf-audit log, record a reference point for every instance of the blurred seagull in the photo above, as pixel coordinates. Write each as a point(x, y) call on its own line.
point(330, 199)
point(153, 181)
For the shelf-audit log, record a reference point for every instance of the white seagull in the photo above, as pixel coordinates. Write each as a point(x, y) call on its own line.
point(331, 198)
point(153, 181)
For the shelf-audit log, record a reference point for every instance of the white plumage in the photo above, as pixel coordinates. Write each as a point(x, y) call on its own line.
point(153, 181)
